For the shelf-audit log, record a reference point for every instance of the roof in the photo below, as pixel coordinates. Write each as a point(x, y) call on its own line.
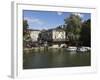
point(33, 30)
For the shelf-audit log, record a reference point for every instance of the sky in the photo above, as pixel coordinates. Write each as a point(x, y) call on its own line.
point(49, 19)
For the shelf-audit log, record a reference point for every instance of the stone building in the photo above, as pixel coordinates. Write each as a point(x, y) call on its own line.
point(54, 36)
point(34, 34)
point(51, 36)
point(58, 35)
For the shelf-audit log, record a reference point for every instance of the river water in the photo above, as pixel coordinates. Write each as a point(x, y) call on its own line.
point(53, 58)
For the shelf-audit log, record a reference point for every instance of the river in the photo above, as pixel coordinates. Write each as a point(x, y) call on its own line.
point(53, 58)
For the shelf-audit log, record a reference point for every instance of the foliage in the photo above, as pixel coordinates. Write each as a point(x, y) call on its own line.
point(77, 32)
point(85, 33)
point(73, 28)
point(26, 34)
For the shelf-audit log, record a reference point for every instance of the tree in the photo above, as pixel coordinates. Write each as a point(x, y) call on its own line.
point(85, 33)
point(25, 27)
point(73, 28)
point(26, 34)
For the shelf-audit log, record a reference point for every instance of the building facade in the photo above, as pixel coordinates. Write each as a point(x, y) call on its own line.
point(34, 34)
point(51, 36)
point(58, 35)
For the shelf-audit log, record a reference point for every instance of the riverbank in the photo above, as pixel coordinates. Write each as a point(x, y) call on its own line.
point(70, 48)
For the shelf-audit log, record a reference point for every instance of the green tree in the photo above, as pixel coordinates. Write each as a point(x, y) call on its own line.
point(25, 27)
point(85, 33)
point(73, 28)
point(26, 34)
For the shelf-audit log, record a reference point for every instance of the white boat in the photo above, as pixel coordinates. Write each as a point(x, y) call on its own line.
point(72, 48)
point(83, 49)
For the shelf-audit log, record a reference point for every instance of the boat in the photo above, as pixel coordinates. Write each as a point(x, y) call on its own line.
point(72, 48)
point(79, 49)
point(83, 49)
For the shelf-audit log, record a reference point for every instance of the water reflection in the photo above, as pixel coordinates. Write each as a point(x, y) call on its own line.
point(55, 58)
